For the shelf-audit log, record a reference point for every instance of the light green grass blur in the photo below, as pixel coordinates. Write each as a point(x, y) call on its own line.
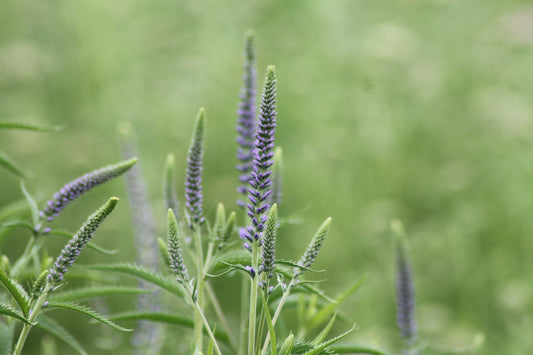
point(420, 110)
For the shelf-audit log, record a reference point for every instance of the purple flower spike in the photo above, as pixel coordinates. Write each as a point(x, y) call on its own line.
point(193, 180)
point(260, 181)
point(74, 247)
point(246, 117)
point(81, 185)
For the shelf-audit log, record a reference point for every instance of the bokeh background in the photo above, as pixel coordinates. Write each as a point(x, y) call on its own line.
point(421, 110)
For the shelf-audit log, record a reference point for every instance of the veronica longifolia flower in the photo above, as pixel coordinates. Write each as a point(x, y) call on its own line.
point(259, 190)
point(74, 247)
point(313, 249)
point(176, 262)
point(78, 187)
point(269, 242)
point(246, 117)
point(405, 290)
point(169, 189)
point(193, 179)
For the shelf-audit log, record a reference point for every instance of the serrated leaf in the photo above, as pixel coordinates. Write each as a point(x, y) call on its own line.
point(331, 308)
point(140, 272)
point(28, 127)
point(61, 333)
point(170, 319)
point(7, 332)
point(10, 311)
point(68, 235)
point(293, 264)
point(357, 349)
point(94, 291)
point(7, 163)
point(326, 344)
point(87, 311)
point(324, 333)
point(16, 291)
point(31, 203)
point(233, 257)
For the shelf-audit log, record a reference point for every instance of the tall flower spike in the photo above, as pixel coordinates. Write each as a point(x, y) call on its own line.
point(259, 190)
point(246, 117)
point(81, 185)
point(147, 337)
point(405, 290)
point(169, 188)
point(269, 242)
point(193, 179)
point(74, 247)
point(174, 249)
point(277, 177)
point(313, 249)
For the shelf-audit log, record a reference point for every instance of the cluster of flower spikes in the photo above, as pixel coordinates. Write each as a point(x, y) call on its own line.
point(74, 247)
point(78, 187)
point(260, 177)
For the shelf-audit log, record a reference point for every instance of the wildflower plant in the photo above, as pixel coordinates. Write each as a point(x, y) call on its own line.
point(198, 248)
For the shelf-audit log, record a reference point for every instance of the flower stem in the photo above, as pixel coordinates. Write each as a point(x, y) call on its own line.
point(253, 299)
point(34, 313)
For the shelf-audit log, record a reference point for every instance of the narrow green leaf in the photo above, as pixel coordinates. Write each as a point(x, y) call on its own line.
point(271, 329)
point(61, 333)
point(170, 319)
point(327, 311)
point(7, 310)
point(324, 333)
point(140, 272)
point(326, 344)
point(357, 349)
point(28, 127)
point(210, 348)
point(95, 291)
point(7, 163)
point(7, 332)
point(17, 291)
point(68, 235)
point(87, 311)
point(16, 208)
point(22, 224)
point(31, 203)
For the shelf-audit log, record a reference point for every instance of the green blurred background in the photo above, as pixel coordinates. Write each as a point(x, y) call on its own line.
point(421, 110)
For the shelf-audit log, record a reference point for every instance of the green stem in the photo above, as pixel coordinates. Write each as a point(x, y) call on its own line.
point(277, 313)
point(253, 299)
point(244, 316)
point(207, 328)
point(220, 315)
point(23, 260)
point(34, 313)
point(198, 324)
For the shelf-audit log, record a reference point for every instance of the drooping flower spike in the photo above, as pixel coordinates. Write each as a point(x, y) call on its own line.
point(71, 191)
point(193, 179)
point(260, 179)
point(74, 247)
point(246, 117)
